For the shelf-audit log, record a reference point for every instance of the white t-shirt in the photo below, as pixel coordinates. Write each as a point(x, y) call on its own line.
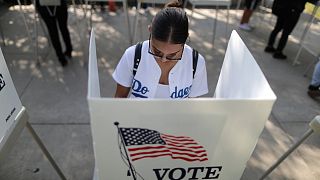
point(145, 83)
point(163, 91)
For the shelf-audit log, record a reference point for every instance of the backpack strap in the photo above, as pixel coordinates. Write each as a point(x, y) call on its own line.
point(195, 55)
point(137, 57)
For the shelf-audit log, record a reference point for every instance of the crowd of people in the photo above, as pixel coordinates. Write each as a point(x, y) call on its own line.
point(166, 46)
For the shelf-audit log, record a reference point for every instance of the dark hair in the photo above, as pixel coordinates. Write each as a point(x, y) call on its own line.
point(171, 24)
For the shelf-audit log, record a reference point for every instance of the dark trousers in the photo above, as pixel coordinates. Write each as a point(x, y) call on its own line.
point(52, 21)
point(285, 23)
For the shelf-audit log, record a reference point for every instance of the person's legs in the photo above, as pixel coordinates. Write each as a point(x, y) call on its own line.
point(316, 75)
point(102, 4)
point(314, 87)
point(288, 27)
point(250, 6)
point(246, 16)
point(112, 6)
point(62, 17)
point(247, 12)
point(52, 27)
point(289, 24)
point(244, 23)
point(277, 28)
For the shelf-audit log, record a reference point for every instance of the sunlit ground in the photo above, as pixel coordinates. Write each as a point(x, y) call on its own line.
point(46, 88)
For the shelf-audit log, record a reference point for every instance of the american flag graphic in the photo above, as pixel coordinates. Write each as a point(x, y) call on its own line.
point(145, 143)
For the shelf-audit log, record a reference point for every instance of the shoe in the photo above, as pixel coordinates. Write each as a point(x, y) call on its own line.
point(314, 91)
point(270, 49)
point(312, 87)
point(245, 27)
point(68, 54)
point(63, 62)
point(279, 55)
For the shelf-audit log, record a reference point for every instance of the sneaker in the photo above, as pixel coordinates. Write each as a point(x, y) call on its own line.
point(245, 27)
point(279, 55)
point(270, 49)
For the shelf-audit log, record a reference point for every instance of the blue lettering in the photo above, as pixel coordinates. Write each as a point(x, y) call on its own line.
point(136, 85)
point(181, 93)
point(144, 90)
point(189, 90)
point(174, 93)
point(138, 89)
point(186, 90)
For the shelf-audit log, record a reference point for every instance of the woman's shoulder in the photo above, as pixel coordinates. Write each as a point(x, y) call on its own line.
point(190, 49)
point(132, 48)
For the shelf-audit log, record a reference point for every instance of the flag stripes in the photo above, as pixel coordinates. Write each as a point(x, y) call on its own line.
point(151, 144)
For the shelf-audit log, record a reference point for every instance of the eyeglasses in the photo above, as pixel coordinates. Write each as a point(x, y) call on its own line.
point(160, 54)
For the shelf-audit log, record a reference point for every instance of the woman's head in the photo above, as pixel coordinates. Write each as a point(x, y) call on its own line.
point(171, 24)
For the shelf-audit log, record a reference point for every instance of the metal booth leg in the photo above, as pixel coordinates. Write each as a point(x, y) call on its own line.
point(314, 127)
point(45, 151)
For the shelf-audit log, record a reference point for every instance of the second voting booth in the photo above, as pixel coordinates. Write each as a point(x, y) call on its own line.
point(14, 118)
point(199, 138)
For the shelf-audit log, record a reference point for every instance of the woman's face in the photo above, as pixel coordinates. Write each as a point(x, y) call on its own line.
point(165, 51)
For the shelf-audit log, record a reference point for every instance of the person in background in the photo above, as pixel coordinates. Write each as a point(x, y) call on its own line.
point(288, 13)
point(167, 67)
point(55, 16)
point(101, 5)
point(250, 6)
point(314, 87)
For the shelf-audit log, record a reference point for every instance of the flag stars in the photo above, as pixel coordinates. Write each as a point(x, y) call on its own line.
point(137, 136)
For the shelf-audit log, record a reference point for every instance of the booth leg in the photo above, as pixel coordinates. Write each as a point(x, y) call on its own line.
point(215, 26)
point(304, 33)
point(45, 151)
point(2, 36)
point(314, 127)
point(125, 9)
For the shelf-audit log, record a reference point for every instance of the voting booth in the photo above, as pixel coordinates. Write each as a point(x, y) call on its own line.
point(14, 118)
point(10, 104)
point(198, 138)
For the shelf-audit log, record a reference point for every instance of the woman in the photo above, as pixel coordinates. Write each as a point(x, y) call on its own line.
point(166, 65)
